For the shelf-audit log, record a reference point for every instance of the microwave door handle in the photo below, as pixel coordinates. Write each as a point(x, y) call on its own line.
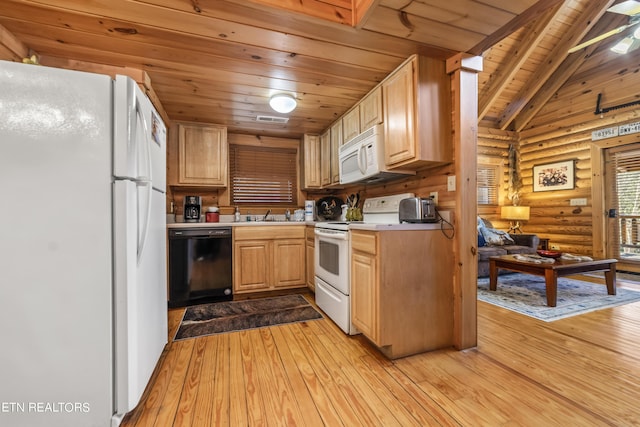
point(362, 159)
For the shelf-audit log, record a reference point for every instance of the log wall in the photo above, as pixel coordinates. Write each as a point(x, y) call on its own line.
point(493, 147)
point(561, 131)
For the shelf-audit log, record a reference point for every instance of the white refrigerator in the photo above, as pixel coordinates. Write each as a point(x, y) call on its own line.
point(83, 302)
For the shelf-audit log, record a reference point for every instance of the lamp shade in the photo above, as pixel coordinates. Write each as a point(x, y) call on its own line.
point(283, 103)
point(515, 213)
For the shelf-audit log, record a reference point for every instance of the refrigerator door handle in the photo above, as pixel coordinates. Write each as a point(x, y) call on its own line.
point(144, 181)
point(143, 229)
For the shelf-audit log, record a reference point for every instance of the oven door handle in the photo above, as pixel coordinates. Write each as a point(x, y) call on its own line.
point(335, 235)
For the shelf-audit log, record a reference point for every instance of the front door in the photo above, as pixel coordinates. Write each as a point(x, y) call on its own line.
point(622, 198)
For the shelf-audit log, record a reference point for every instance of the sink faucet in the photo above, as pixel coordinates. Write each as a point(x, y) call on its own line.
point(266, 215)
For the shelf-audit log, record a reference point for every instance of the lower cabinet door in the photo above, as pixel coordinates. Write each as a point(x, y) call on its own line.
point(289, 263)
point(251, 266)
point(364, 295)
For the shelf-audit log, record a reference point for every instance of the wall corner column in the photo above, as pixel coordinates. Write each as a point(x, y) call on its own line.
point(464, 69)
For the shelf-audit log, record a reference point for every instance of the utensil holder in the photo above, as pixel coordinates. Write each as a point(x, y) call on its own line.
point(354, 214)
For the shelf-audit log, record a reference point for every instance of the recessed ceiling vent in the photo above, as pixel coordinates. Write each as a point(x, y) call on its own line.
point(271, 119)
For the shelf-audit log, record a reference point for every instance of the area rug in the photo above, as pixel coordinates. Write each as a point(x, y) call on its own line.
point(215, 318)
point(526, 294)
point(620, 275)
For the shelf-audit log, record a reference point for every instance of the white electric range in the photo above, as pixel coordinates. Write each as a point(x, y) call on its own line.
point(333, 255)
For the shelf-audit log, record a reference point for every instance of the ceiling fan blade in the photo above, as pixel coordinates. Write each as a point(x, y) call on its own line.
point(599, 38)
point(629, 8)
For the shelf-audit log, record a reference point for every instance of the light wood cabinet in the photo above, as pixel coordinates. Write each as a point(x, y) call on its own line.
point(370, 109)
point(365, 114)
point(325, 158)
point(311, 161)
point(402, 290)
point(321, 158)
point(251, 266)
point(336, 142)
point(351, 124)
point(310, 257)
point(399, 116)
point(365, 285)
point(202, 155)
point(417, 114)
point(268, 258)
point(289, 261)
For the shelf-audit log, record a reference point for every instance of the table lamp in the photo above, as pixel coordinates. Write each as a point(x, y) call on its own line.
point(515, 214)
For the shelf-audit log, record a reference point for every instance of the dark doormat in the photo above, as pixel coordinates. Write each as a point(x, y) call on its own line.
point(220, 317)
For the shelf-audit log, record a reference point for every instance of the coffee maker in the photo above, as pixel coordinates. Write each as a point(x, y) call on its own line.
point(192, 208)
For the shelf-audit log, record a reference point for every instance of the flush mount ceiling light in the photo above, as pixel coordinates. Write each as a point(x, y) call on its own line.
point(282, 103)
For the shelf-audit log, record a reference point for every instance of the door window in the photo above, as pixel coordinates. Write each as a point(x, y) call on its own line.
point(623, 201)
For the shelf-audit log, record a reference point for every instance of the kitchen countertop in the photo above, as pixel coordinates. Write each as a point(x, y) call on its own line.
point(371, 227)
point(236, 224)
point(396, 227)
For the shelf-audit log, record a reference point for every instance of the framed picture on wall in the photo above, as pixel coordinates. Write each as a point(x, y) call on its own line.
point(554, 176)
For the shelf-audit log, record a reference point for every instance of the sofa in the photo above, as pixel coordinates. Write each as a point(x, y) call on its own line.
point(492, 242)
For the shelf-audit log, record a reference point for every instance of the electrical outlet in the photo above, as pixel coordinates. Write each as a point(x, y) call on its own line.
point(451, 183)
point(555, 247)
point(434, 196)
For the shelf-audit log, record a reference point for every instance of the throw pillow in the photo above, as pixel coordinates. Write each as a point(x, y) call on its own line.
point(481, 241)
point(495, 237)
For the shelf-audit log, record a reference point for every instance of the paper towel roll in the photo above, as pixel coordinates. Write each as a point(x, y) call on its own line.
point(309, 208)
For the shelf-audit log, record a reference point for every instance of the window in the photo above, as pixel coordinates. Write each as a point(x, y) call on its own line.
point(488, 188)
point(263, 176)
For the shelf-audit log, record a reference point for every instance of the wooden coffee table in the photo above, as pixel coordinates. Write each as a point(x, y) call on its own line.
point(551, 272)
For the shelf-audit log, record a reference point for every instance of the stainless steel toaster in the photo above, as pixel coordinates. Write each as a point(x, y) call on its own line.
point(417, 209)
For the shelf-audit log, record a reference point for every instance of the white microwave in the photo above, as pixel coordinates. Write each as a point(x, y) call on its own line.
point(362, 159)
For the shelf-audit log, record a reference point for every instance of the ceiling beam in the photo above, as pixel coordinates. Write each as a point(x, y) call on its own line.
point(362, 10)
point(340, 12)
point(531, 14)
point(593, 11)
point(11, 46)
point(504, 75)
point(564, 73)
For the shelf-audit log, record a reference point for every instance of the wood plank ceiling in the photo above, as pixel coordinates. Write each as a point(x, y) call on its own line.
point(218, 61)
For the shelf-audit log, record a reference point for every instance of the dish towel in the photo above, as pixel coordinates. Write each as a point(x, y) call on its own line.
point(570, 257)
point(534, 259)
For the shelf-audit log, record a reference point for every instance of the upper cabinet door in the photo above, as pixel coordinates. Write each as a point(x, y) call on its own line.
point(350, 124)
point(202, 155)
point(311, 157)
point(371, 109)
point(416, 102)
point(325, 158)
point(336, 142)
point(399, 115)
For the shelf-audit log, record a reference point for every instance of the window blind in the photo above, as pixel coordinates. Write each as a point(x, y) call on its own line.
point(487, 178)
point(262, 175)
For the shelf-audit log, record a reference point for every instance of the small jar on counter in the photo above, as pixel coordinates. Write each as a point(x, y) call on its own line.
point(212, 214)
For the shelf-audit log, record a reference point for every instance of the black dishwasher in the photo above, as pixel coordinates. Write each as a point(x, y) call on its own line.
point(200, 263)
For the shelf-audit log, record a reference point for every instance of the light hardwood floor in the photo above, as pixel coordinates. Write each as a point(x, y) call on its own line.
point(581, 371)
